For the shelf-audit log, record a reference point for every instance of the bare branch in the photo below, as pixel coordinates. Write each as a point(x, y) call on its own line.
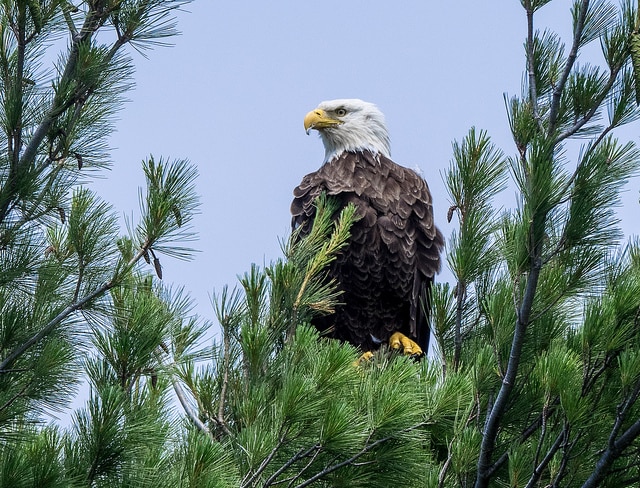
point(187, 408)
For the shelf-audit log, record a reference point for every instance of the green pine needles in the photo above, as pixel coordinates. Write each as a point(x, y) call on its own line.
point(527, 322)
point(535, 377)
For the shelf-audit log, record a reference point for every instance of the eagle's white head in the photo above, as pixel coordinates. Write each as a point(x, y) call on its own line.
point(349, 125)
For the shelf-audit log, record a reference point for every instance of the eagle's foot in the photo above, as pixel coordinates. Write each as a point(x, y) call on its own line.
point(401, 342)
point(366, 357)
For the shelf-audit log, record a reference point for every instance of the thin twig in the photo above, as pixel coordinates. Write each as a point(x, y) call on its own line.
point(76, 293)
point(225, 379)
point(66, 11)
point(346, 462)
point(301, 454)
point(265, 462)
point(537, 472)
point(306, 466)
point(14, 398)
point(564, 462)
point(543, 431)
point(528, 432)
point(533, 89)
point(590, 380)
point(442, 476)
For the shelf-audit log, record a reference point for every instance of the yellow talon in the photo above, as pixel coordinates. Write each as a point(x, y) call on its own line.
point(364, 358)
point(400, 341)
point(397, 341)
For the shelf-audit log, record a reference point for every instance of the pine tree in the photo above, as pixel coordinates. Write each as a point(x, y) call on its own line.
point(536, 375)
point(543, 318)
point(76, 298)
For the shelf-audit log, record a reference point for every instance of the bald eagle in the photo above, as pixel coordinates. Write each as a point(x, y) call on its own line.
point(387, 268)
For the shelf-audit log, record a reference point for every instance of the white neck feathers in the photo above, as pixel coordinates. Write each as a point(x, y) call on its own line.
point(371, 138)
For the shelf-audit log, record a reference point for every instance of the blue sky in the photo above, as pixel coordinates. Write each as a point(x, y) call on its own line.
point(231, 95)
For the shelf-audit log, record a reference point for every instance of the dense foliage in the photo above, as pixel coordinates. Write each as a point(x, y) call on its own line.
point(535, 377)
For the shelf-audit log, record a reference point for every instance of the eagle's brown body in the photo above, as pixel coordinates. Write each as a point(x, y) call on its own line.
point(393, 253)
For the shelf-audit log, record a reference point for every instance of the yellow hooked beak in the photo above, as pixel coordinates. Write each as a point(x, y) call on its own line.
point(318, 119)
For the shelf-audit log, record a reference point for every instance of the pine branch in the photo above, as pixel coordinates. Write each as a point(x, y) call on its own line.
point(14, 137)
point(495, 416)
point(573, 55)
point(334, 467)
point(528, 432)
point(73, 307)
point(539, 469)
point(51, 325)
point(570, 181)
point(616, 447)
point(265, 462)
point(93, 21)
point(301, 454)
point(533, 90)
point(587, 117)
point(296, 477)
point(182, 398)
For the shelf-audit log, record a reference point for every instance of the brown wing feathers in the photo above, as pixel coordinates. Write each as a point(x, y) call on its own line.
point(393, 253)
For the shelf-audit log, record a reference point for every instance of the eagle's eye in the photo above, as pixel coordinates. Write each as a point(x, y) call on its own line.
point(341, 112)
